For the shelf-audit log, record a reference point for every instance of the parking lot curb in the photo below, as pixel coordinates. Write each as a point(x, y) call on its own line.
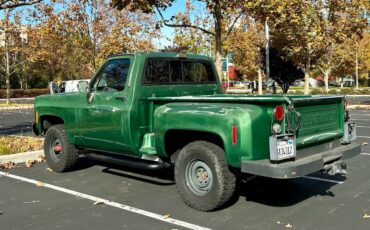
point(359, 106)
point(21, 157)
point(16, 107)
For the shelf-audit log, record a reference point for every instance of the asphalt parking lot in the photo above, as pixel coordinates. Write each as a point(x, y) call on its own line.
point(16, 122)
point(96, 196)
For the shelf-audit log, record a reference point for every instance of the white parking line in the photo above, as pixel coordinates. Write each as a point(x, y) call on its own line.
point(366, 154)
point(107, 202)
point(364, 136)
point(360, 126)
point(354, 119)
point(322, 179)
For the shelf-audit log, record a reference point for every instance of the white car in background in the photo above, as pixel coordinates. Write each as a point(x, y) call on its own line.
point(66, 86)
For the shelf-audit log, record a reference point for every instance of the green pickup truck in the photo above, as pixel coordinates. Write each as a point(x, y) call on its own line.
point(159, 110)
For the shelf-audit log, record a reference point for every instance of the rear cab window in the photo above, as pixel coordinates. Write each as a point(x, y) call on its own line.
point(174, 71)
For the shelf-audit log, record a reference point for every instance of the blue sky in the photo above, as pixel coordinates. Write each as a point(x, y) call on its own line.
point(168, 32)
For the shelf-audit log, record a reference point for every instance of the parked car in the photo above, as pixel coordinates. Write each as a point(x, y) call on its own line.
point(66, 86)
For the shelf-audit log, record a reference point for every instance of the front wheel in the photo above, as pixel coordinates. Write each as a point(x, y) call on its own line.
point(59, 153)
point(202, 176)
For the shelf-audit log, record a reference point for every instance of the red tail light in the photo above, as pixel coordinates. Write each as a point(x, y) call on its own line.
point(234, 133)
point(279, 113)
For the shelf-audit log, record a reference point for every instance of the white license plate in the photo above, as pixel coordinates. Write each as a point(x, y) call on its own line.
point(285, 149)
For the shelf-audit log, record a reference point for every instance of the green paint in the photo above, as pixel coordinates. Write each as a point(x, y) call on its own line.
point(135, 121)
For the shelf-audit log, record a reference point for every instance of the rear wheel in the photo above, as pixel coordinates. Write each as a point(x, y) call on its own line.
point(59, 153)
point(202, 176)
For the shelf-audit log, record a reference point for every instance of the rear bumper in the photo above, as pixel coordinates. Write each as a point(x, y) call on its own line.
point(300, 167)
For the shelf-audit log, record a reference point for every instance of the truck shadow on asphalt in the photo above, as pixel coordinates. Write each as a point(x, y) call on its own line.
point(284, 193)
point(24, 129)
point(156, 177)
point(262, 190)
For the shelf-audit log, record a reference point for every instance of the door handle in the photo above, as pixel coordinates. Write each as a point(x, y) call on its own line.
point(122, 98)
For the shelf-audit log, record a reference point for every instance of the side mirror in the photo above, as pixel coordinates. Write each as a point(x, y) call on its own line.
point(83, 86)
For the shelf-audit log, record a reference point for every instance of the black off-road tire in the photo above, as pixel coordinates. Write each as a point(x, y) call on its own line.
point(59, 161)
point(219, 182)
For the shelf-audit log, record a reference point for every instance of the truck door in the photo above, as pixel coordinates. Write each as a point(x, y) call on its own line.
point(103, 116)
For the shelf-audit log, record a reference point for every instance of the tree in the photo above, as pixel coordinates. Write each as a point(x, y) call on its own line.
point(10, 4)
point(245, 44)
point(342, 27)
point(364, 55)
point(300, 28)
point(10, 51)
point(295, 29)
point(224, 14)
point(330, 60)
point(192, 40)
point(283, 70)
point(72, 41)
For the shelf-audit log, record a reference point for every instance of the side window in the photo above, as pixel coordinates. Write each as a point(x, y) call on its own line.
point(198, 72)
point(114, 75)
point(157, 71)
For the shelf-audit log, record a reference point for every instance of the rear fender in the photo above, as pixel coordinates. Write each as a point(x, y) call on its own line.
point(215, 118)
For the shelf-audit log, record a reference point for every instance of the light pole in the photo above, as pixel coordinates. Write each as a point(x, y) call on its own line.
point(267, 34)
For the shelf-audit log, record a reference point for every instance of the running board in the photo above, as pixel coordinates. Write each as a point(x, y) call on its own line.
point(129, 162)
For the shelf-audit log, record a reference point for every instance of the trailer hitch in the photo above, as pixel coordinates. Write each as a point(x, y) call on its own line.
point(338, 167)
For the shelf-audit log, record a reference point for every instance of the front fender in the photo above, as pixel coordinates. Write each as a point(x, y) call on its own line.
point(62, 106)
point(252, 122)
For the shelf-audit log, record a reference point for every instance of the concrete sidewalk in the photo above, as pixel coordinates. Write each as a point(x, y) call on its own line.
point(21, 157)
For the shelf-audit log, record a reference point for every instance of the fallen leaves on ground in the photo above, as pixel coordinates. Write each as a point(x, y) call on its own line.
point(30, 163)
point(19, 144)
point(4, 105)
point(366, 216)
point(49, 169)
point(7, 165)
point(288, 226)
point(31, 202)
point(40, 159)
point(365, 143)
point(166, 216)
point(40, 184)
point(98, 202)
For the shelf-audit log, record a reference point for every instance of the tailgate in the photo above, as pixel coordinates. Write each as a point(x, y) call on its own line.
point(322, 119)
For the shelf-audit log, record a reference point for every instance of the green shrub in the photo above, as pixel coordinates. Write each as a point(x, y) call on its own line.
point(316, 91)
point(18, 93)
point(333, 91)
point(347, 91)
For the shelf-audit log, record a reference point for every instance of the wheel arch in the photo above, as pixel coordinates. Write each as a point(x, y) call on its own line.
point(46, 121)
point(176, 139)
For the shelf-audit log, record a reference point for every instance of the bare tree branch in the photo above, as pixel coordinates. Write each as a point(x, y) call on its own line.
point(321, 69)
point(233, 24)
point(184, 25)
point(340, 62)
point(9, 4)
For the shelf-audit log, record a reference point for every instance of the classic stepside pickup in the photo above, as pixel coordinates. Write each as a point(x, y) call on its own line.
point(157, 110)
